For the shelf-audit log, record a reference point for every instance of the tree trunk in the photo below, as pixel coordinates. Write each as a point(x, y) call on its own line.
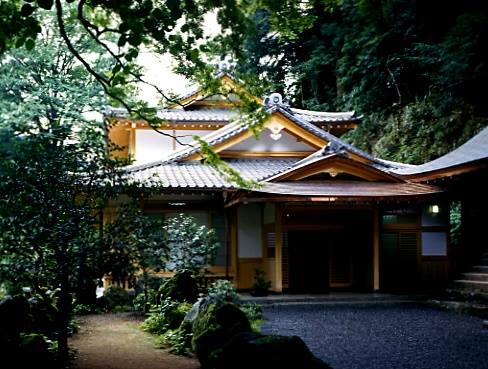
point(64, 306)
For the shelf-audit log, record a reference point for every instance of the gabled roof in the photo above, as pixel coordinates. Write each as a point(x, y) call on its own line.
point(234, 129)
point(194, 175)
point(349, 189)
point(335, 163)
point(463, 159)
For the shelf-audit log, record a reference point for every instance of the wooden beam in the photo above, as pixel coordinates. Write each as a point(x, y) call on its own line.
point(376, 249)
point(297, 131)
point(278, 250)
point(259, 154)
point(233, 242)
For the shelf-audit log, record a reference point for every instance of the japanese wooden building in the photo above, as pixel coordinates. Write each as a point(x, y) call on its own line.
point(325, 216)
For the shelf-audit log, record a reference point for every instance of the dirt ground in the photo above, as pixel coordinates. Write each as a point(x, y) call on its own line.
point(114, 341)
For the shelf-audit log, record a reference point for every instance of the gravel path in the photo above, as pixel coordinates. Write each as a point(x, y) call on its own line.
point(114, 341)
point(394, 336)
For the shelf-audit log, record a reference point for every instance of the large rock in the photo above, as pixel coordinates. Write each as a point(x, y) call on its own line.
point(213, 328)
point(254, 350)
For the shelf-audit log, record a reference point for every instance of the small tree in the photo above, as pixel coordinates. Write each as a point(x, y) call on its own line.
point(189, 246)
point(134, 245)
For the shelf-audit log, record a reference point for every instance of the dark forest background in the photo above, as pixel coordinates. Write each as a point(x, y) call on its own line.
point(416, 70)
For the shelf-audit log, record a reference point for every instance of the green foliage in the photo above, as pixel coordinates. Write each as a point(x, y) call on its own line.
point(415, 76)
point(261, 285)
point(455, 219)
point(183, 286)
point(116, 298)
point(155, 323)
point(190, 247)
point(221, 292)
point(133, 247)
point(167, 316)
point(254, 314)
point(176, 341)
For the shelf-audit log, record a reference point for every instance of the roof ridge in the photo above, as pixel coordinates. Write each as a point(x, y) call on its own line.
point(322, 113)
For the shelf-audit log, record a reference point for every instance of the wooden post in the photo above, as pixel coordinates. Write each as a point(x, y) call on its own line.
point(376, 249)
point(278, 246)
point(132, 140)
point(233, 244)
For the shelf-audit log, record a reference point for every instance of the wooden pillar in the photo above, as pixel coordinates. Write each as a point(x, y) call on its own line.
point(233, 243)
point(376, 249)
point(278, 250)
point(132, 141)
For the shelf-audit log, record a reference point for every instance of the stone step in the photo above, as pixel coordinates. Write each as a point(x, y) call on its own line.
point(472, 285)
point(480, 277)
point(480, 269)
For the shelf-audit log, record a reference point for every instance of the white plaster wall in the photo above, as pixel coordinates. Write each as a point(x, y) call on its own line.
point(152, 146)
point(186, 136)
point(265, 143)
point(249, 224)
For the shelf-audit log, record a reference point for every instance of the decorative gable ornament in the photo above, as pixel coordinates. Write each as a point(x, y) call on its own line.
point(273, 99)
point(275, 129)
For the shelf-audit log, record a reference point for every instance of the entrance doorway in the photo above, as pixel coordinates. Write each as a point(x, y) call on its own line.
point(318, 260)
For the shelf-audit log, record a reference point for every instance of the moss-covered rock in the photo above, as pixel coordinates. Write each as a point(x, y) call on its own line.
point(254, 350)
point(15, 316)
point(183, 286)
point(213, 328)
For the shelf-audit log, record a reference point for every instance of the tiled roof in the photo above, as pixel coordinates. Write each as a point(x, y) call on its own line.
point(354, 189)
point(325, 117)
point(473, 150)
point(227, 115)
point(194, 175)
point(204, 115)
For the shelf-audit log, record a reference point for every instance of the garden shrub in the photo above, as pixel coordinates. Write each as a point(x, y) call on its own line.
point(261, 285)
point(146, 293)
point(183, 286)
point(116, 298)
point(222, 292)
point(155, 323)
point(213, 328)
point(168, 316)
point(254, 314)
point(177, 341)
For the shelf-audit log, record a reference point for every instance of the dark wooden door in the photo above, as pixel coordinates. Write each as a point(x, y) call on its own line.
point(308, 261)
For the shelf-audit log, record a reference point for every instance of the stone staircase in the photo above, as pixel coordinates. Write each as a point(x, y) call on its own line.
point(477, 279)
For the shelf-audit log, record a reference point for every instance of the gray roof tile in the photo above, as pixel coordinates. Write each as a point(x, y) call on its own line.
point(474, 149)
point(195, 175)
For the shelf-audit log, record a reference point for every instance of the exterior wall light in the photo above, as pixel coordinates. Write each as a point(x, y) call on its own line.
point(434, 209)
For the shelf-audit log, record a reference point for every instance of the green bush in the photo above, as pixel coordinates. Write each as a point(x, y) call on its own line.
point(155, 323)
point(254, 314)
point(147, 293)
point(261, 285)
point(177, 341)
point(222, 292)
point(168, 316)
point(183, 286)
point(116, 298)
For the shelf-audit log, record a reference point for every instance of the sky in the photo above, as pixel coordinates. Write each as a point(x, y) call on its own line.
point(158, 68)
